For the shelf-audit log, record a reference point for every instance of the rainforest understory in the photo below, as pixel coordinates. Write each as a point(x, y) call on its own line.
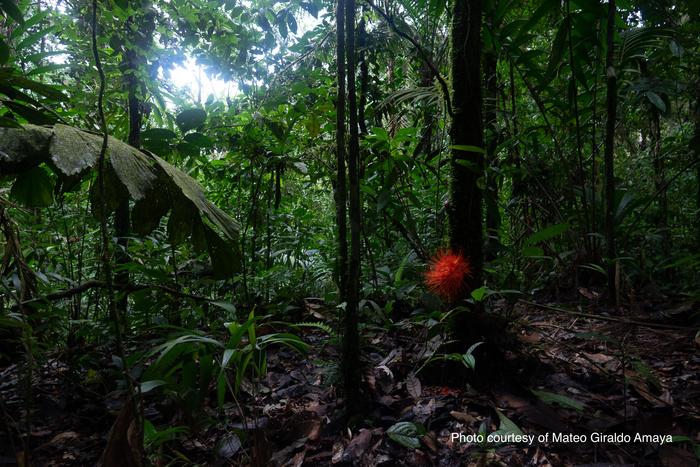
point(372, 233)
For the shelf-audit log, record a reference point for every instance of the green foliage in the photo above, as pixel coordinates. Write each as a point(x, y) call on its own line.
point(264, 236)
point(406, 434)
point(551, 398)
point(155, 185)
point(188, 365)
point(467, 358)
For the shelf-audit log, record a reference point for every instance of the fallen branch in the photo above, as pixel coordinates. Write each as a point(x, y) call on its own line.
point(128, 288)
point(610, 318)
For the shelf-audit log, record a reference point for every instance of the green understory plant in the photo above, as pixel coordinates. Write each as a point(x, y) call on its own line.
point(189, 363)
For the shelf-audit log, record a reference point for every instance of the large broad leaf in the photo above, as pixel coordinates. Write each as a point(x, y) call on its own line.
point(22, 148)
point(155, 185)
point(209, 226)
point(190, 119)
point(147, 213)
point(73, 152)
point(192, 192)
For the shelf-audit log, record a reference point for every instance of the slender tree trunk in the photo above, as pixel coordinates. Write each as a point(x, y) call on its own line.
point(695, 147)
point(493, 216)
point(595, 241)
point(278, 185)
point(467, 166)
point(121, 215)
point(132, 65)
point(351, 341)
point(659, 179)
point(341, 185)
point(364, 77)
point(609, 156)
point(517, 190)
point(579, 141)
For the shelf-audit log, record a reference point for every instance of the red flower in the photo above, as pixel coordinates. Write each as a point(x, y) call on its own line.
point(445, 277)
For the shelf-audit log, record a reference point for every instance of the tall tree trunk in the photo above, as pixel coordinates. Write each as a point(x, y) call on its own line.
point(517, 190)
point(139, 31)
point(364, 76)
point(467, 166)
point(609, 156)
point(130, 68)
point(493, 217)
point(340, 184)
point(659, 180)
point(695, 147)
point(579, 141)
point(351, 341)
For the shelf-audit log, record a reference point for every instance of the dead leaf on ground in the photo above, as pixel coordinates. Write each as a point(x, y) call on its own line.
point(463, 417)
point(384, 376)
point(413, 386)
point(337, 452)
point(124, 445)
point(357, 446)
point(63, 437)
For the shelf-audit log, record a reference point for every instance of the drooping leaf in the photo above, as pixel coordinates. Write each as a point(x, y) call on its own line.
point(154, 185)
point(656, 100)
point(225, 256)
point(33, 188)
point(147, 213)
point(199, 140)
point(30, 114)
point(10, 8)
point(192, 192)
point(158, 133)
point(547, 233)
point(180, 222)
point(190, 119)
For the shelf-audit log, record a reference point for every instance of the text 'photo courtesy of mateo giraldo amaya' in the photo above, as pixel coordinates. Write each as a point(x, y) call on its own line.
point(535, 439)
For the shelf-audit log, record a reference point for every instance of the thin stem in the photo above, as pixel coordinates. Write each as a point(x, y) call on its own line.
point(105, 259)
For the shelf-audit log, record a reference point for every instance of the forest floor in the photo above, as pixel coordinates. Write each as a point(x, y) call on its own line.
point(592, 376)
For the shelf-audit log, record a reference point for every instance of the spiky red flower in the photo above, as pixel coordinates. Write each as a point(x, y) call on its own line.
point(445, 277)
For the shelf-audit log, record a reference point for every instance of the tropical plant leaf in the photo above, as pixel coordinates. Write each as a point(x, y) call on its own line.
point(552, 398)
point(405, 434)
point(547, 233)
point(155, 185)
point(190, 119)
point(11, 10)
point(190, 190)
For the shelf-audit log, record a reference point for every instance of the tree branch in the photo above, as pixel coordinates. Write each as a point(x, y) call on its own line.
point(423, 54)
point(97, 284)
